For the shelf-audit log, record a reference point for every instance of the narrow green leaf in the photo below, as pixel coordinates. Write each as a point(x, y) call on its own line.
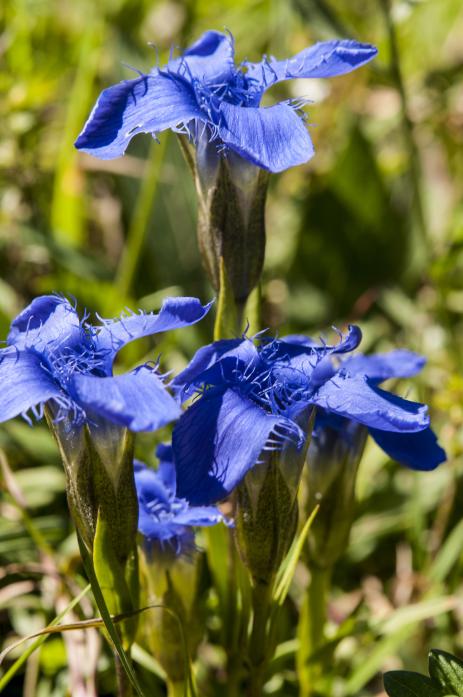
point(402, 683)
point(11, 672)
point(67, 209)
point(141, 217)
point(106, 617)
point(447, 670)
point(287, 569)
point(448, 555)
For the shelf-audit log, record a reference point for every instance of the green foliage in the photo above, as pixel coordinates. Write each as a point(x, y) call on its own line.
point(446, 678)
point(344, 242)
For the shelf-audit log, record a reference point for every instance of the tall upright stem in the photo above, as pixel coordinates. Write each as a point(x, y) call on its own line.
point(258, 643)
point(175, 689)
point(124, 688)
point(311, 631)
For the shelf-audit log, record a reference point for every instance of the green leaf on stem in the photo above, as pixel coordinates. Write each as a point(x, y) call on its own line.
point(403, 683)
point(447, 670)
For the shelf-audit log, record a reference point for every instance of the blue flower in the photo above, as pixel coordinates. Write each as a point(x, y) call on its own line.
point(252, 397)
point(418, 450)
point(53, 357)
point(165, 521)
point(205, 95)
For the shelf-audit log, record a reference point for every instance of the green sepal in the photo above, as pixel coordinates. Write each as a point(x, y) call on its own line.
point(330, 483)
point(117, 497)
point(404, 683)
point(447, 670)
point(251, 317)
point(231, 224)
point(111, 575)
point(226, 322)
point(265, 521)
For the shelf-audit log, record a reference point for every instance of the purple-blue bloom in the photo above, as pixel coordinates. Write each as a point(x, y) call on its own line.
point(165, 521)
point(52, 356)
point(252, 396)
point(202, 93)
point(251, 399)
point(419, 450)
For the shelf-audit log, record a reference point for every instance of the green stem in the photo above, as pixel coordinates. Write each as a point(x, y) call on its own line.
point(407, 123)
point(176, 689)
point(311, 631)
point(124, 688)
point(139, 224)
point(258, 643)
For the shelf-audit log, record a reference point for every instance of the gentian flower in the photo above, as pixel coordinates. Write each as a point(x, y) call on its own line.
point(56, 360)
point(53, 357)
point(418, 450)
point(336, 448)
point(237, 142)
point(251, 398)
point(204, 94)
point(165, 521)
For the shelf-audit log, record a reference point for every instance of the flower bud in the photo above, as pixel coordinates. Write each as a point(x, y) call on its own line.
point(332, 462)
point(231, 217)
point(177, 625)
point(266, 507)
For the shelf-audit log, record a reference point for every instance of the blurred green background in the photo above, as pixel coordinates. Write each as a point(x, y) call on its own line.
point(370, 230)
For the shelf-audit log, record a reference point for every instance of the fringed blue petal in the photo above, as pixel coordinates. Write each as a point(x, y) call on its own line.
point(137, 400)
point(48, 321)
point(210, 59)
point(324, 59)
point(420, 451)
point(25, 384)
point(217, 440)
point(205, 366)
point(273, 138)
point(174, 313)
point(148, 104)
point(382, 366)
point(355, 398)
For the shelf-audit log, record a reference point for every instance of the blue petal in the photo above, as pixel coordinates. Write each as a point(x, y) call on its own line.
point(210, 59)
point(295, 345)
point(25, 383)
point(420, 451)
point(48, 321)
point(324, 59)
point(197, 371)
point(216, 441)
point(137, 400)
point(166, 470)
point(273, 138)
point(174, 313)
point(148, 104)
point(150, 486)
point(381, 366)
point(163, 530)
point(201, 516)
point(356, 399)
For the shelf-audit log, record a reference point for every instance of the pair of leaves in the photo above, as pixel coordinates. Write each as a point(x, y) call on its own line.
point(446, 679)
